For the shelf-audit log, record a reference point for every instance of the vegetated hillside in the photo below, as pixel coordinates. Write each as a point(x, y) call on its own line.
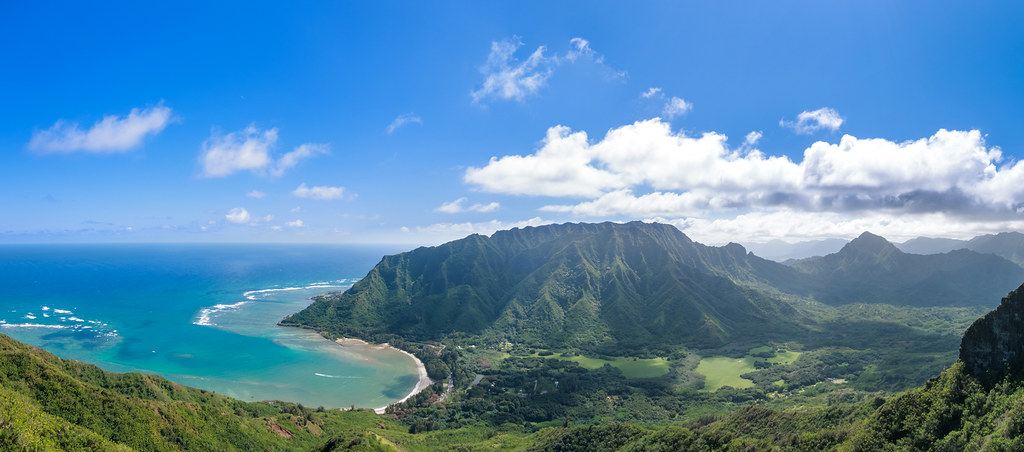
point(566, 285)
point(870, 269)
point(49, 403)
point(976, 404)
point(584, 285)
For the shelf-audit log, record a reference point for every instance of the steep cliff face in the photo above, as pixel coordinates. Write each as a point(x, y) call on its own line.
point(993, 347)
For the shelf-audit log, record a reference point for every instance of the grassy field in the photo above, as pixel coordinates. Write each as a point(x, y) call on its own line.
point(719, 371)
point(630, 367)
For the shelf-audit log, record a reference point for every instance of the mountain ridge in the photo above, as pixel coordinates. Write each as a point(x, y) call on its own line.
point(621, 283)
point(633, 284)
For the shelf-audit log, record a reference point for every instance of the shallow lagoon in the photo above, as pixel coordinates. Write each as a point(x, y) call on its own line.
point(200, 315)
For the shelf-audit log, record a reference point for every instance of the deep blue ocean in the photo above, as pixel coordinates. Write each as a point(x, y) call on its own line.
point(200, 315)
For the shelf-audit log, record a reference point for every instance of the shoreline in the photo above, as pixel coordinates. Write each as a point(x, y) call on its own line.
point(422, 383)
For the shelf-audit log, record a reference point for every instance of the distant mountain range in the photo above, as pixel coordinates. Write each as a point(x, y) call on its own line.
point(870, 269)
point(1008, 245)
point(780, 251)
point(635, 284)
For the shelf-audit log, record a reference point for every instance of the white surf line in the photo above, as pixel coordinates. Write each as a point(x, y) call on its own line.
point(205, 317)
point(205, 314)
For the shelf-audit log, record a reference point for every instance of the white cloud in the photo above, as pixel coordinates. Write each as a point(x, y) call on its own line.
point(795, 226)
point(290, 159)
point(256, 194)
point(248, 149)
point(808, 122)
point(560, 168)
point(752, 138)
point(238, 215)
point(651, 92)
point(296, 209)
point(403, 119)
point(443, 232)
point(676, 107)
point(319, 192)
point(110, 135)
point(507, 78)
point(623, 202)
point(457, 206)
point(676, 174)
point(295, 224)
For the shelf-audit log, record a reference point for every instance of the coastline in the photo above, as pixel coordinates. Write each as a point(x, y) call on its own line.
point(422, 383)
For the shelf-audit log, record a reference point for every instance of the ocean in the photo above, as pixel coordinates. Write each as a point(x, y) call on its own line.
point(200, 315)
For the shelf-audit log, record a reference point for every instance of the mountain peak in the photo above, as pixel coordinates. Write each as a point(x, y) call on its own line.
point(871, 245)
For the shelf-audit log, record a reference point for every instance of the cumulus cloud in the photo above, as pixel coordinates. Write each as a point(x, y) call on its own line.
point(645, 169)
point(249, 149)
point(319, 192)
point(796, 226)
point(403, 119)
point(443, 232)
point(290, 159)
point(110, 135)
point(808, 122)
point(676, 107)
point(295, 224)
point(752, 138)
point(673, 107)
point(458, 206)
point(651, 92)
point(508, 78)
point(238, 215)
point(256, 194)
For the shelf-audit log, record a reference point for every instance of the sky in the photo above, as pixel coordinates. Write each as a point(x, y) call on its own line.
point(421, 122)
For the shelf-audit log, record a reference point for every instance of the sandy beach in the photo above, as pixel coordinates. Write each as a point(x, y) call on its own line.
point(421, 384)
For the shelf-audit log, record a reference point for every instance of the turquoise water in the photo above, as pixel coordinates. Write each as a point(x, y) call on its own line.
point(200, 315)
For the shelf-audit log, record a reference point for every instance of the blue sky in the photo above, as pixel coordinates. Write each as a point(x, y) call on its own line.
point(416, 122)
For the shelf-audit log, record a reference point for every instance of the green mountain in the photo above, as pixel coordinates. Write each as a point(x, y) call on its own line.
point(634, 285)
point(870, 269)
point(566, 285)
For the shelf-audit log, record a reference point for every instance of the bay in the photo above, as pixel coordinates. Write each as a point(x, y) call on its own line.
point(200, 315)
